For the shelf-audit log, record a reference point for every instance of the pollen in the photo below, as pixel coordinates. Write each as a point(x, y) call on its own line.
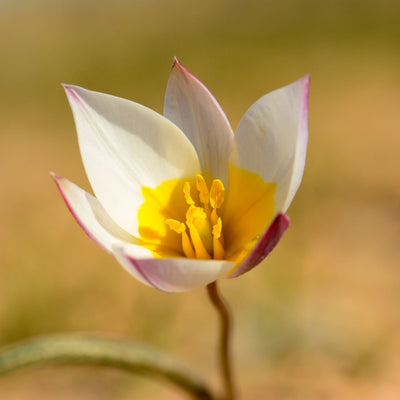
point(202, 230)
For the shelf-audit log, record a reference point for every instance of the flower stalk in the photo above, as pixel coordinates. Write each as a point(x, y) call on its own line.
point(225, 340)
point(99, 351)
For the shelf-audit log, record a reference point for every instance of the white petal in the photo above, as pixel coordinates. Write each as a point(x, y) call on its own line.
point(91, 216)
point(127, 264)
point(125, 146)
point(190, 105)
point(172, 274)
point(271, 139)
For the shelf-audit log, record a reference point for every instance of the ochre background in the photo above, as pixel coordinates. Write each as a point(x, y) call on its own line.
point(320, 318)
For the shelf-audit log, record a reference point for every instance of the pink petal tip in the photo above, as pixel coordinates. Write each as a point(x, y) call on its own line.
point(265, 245)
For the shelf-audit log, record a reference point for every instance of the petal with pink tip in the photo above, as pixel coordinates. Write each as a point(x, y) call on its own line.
point(190, 105)
point(172, 274)
point(271, 139)
point(91, 216)
point(139, 252)
point(266, 244)
point(125, 146)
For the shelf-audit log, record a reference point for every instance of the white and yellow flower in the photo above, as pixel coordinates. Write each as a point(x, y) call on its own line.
point(180, 199)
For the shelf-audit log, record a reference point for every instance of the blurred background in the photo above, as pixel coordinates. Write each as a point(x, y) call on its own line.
point(320, 318)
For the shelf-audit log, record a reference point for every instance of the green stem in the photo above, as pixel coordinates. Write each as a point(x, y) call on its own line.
point(91, 350)
point(225, 337)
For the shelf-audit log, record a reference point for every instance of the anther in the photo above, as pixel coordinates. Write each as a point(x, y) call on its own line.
point(203, 189)
point(217, 193)
point(186, 192)
point(175, 225)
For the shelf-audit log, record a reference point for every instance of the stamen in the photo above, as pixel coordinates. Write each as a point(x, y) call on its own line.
point(203, 189)
point(196, 217)
point(200, 250)
point(219, 252)
point(194, 213)
point(186, 192)
point(214, 216)
point(179, 227)
point(187, 246)
point(217, 228)
point(217, 193)
point(175, 225)
point(202, 231)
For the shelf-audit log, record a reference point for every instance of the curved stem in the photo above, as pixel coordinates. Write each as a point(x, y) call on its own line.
point(225, 337)
point(91, 350)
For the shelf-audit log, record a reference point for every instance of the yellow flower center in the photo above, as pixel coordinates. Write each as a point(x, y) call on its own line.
point(202, 231)
point(196, 218)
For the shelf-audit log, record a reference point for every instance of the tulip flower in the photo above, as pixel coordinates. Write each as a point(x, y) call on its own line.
point(180, 200)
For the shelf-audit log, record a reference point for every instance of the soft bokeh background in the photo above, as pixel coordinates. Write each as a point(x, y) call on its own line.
point(320, 319)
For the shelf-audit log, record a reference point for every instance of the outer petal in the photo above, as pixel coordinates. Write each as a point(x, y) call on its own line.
point(266, 244)
point(91, 216)
point(172, 274)
point(96, 223)
point(125, 146)
point(271, 139)
point(190, 105)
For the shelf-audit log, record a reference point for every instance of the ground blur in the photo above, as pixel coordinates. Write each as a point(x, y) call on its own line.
point(320, 318)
